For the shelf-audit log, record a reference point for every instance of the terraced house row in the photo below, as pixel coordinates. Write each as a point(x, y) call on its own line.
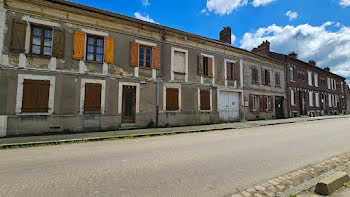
point(70, 67)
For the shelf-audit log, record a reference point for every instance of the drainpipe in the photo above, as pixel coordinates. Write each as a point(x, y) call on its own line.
point(161, 74)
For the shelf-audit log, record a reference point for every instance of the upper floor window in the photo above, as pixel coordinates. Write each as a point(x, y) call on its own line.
point(41, 40)
point(278, 79)
point(145, 54)
point(342, 86)
point(316, 79)
point(292, 97)
point(255, 75)
point(206, 66)
point(311, 99)
point(95, 46)
point(309, 77)
point(329, 83)
point(291, 73)
point(265, 77)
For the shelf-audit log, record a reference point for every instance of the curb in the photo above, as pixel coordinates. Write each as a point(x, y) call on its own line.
point(160, 133)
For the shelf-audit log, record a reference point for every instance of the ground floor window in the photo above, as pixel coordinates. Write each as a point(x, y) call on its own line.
point(172, 99)
point(292, 97)
point(205, 100)
point(317, 99)
point(35, 96)
point(311, 99)
point(92, 102)
point(253, 103)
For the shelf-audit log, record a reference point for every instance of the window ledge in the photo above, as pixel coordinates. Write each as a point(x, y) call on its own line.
point(31, 55)
point(95, 62)
point(205, 111)
point(172, 111)
point(33, 114)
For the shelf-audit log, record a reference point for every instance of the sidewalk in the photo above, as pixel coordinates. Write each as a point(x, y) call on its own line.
point(61, 138)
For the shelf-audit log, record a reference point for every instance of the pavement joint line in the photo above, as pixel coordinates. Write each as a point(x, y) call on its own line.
point(160, 133)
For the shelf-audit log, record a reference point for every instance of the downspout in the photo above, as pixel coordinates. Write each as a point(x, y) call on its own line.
point(287, 86)
point(161, 74)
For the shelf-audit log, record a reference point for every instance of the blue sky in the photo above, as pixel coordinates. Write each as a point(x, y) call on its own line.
point(323, 25)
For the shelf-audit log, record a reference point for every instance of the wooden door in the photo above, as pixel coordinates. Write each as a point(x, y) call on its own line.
point(279, 107)
point(129, 104)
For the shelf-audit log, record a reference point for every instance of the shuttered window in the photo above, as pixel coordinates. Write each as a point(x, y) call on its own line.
point(41, 40)
point(229, 70)
point(109, 50)
point(207, 66)
point(265, 77)
point(253, 103)
point(205, 99)
point(35, 96)
point(95, 48)
point(58, 43)
point(278, 79)
point(145, 56)
point(18, 36)
point(92, 101)
point(255, 75)
point(172, 99)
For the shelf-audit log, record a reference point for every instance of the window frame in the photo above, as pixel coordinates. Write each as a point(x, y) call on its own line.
point(278, 79)
point(96, 37)
point(292, 97)
point(200, 99)
point(291, 73)
point(172, 73)
point(309, 78)
point(172, 86)
point(317, 99)
point(43, 28)
point(311, 98)
point(145, 47)
point(316, 79)
point(255, 70)
point(255, 103)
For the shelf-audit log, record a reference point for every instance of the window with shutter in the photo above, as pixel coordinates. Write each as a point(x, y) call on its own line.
point(268, 77)
point(35, 96)
point(205, 99)
point(134, 54)
point(92, 102)
point(145, 56)
point(172, 99)
point(79, 42)
point(58, 43)
point(255, 76)
point(95, 48)
point(229, 71)
point(18, 36)
point(41, 40)
point(237, 72)
point(109, 50)
point(156, 58)
point(278, 79)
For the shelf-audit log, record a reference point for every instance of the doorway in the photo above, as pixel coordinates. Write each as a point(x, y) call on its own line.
point(129, 104)
point(279, 107)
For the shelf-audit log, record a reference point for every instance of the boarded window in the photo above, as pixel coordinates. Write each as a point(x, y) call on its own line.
point(205, 99)
point(179, 62)
point(255, 75)
point(145, 56)
point(95, 48)
point(35, 96)
point(92, 97)
point(41, 40)
point(172, 99)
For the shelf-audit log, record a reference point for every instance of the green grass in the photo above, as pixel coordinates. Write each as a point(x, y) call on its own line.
point(293, 195)
point(347, 184)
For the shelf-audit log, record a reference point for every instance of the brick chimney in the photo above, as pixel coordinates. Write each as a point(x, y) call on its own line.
point(293, 54)
point(225, 35)
point(312, 62)
point(327, 69)
point(264, 48)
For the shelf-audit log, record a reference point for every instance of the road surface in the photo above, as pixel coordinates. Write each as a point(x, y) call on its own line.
point(201, 164)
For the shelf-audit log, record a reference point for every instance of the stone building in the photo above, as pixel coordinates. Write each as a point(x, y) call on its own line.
point(347, 95)
point(66, 67)
point(311, 90)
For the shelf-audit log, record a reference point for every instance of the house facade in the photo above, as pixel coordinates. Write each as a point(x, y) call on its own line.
point(347, 95)
point(66, 67)
point(312, 91)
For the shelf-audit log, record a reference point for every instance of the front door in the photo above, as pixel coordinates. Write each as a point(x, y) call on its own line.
point(279, 107)
point(229, 105)
point(129, 104)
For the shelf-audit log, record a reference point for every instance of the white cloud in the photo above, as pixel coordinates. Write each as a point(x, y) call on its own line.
point(292, 15)
point(138, 15)
point(233, 39)
point(223, 7)
point(345, 3)
point(257, 3)
point(327, 48)
point(145, 3)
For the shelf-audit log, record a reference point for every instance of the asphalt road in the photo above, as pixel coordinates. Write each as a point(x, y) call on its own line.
point(201, 164)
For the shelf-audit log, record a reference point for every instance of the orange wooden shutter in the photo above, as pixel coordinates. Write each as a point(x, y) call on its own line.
point(79, 40)
point(109, 50)
point(156, 53)
point(210, 67)
point(134, 54)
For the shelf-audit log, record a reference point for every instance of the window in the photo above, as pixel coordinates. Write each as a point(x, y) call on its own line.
point(205, 100)
point(255, 75)
point(317, 99)
point(278, 79)
point(35, 96)
point(335, 100)
point(179, 62)
point(95, 47)
point(291, 73)
point(329, 83)
point(342, 86)
point(253, 102)
point(316, 79)
point(292, 97)
point(41, 40)
point(206, 66)
point(145, 55)
point(229, 71)
point(269, 103)
point(309, 77)
point(265, 77)
point(329, 100)
point(172, 99)
point(92, 102)
point(334, 84)
point(311, 99)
